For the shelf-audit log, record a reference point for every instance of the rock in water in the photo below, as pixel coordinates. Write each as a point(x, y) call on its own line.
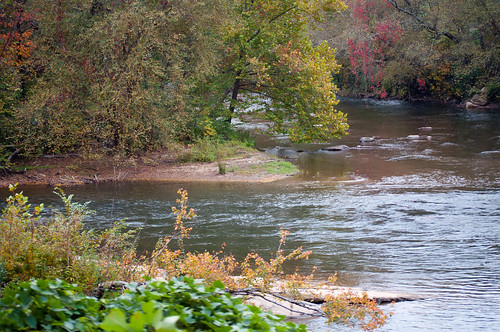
point(366, 139)
point(336, 148)
point(425, 129)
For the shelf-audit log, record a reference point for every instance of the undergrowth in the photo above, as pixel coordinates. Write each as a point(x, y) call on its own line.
point(212, 149)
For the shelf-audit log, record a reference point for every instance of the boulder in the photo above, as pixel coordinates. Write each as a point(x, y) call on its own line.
point(470, 105)
point(480, 99)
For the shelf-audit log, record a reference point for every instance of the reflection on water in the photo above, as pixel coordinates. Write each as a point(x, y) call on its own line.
point(395, 214)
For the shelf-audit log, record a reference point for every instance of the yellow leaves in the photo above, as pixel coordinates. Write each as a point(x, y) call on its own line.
point(208, 128)
point(181, 214)
point(316, 8)
point(353, 309)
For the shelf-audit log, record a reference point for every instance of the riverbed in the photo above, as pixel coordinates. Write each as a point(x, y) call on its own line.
point(414, 209)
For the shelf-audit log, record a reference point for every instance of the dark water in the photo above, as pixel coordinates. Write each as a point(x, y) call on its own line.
point(400, 215)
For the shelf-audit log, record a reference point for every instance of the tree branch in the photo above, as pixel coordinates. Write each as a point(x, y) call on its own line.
point(271, 21)
point(420, 21)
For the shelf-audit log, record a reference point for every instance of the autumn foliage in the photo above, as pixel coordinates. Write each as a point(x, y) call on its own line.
point(59, 246)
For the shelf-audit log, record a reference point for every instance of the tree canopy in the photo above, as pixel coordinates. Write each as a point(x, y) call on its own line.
point(412, 49)
point(134, 75)
point(272, 60)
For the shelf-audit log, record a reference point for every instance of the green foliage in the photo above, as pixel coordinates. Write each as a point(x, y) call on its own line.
point(222, 168)
point(286, 79)
point(181, 304)
point(114, 76)
point(58, 246)
point(197, 307)
point(138, 75)
point(212, 149)
point(49, 306)
point(492, 91)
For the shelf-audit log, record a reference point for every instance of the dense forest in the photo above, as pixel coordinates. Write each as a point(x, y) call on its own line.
point(134, 75)
point(417, 49)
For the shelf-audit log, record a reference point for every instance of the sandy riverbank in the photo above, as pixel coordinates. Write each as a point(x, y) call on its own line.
point(157, 166)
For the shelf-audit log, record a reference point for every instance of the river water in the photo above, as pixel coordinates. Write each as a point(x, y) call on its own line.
point(396, 214)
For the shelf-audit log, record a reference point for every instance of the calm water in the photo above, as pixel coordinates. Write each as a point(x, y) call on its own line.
point(395, 214)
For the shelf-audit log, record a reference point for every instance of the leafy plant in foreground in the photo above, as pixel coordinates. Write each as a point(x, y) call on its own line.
point(181, 304)
point(47, 305)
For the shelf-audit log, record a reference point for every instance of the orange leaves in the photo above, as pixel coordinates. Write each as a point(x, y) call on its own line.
point(15, 34)
point(352, 309)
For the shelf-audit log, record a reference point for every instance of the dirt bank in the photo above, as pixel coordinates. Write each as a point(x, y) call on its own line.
point(158, 166)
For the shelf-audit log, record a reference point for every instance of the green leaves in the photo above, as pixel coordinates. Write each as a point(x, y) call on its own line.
point(272, 59)
point(116, 321)
point(48, 305)
point(181, 304)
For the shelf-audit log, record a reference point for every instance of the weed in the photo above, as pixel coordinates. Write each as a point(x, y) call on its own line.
point(222, 167)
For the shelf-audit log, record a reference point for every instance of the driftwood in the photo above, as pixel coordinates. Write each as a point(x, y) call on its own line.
point(281, 304)
point(311, 299)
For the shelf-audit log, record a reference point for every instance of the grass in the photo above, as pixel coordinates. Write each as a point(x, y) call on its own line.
point(280, 167)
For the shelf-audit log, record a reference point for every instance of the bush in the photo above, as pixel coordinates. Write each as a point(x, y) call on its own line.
point(58, 246)
point(181, 304)
point(211, 149)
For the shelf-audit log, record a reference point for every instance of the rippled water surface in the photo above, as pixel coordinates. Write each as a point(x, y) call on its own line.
point(416, 216)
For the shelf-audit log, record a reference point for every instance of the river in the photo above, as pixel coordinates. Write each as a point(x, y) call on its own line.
point(397, 214)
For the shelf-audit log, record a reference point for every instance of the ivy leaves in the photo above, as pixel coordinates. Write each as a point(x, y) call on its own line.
point(180, 304)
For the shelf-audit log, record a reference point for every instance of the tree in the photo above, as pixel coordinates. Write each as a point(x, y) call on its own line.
point(273, 65)
point(16, 47)
point(442, 49)
point(118, 74)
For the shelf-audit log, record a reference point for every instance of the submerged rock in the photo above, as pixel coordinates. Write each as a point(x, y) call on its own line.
point(490, 152)
point(337, 148)
point(425, 129)
point(366, 139)
point(449, 144)
point(419, 137)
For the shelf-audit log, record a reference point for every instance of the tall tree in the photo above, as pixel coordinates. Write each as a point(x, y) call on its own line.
point(273, 65)
point(16, 47)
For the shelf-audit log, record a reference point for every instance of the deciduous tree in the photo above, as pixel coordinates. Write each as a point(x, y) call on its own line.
point(273, 65)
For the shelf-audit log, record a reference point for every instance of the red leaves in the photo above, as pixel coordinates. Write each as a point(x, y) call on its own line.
point(368, 53)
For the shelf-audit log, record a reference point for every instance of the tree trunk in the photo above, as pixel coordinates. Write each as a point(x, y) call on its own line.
point(234, 98)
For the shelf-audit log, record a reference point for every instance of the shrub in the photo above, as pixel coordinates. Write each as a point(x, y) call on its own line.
point(211, 149)
point(58, 246)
